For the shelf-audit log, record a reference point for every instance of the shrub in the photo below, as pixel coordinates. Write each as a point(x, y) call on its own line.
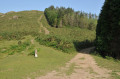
point(55, 42)
point(62, 44)
point(16, 48)
point(33, 52)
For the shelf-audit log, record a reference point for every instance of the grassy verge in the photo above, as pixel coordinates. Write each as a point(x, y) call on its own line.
point(23, 65)
point(110, 64)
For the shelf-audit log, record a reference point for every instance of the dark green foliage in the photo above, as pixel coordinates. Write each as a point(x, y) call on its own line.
point(52, 19)
point(92, 26)
point(84, 44)
point(16, 48)
point(63, 44)
point(55, 42)
point(16, 35)
point(19, 42)
point(59, 17)
point(33, 52)
point(108, 29)
point(19, 48)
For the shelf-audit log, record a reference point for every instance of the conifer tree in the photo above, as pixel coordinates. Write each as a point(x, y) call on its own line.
point(108, 29)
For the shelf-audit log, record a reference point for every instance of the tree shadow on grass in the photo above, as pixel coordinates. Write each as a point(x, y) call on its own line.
point(82, 45)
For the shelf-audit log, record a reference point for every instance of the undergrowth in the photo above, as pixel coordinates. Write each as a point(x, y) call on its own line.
point(16, 48)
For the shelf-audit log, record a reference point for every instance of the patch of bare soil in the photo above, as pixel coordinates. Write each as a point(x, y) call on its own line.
point(85, 68)
point(46, 30)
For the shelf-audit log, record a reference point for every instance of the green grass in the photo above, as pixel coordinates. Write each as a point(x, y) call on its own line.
point(26, 24)
point(70, 69)
point(70, 33)
point(74, 34)
point(76, 37)
point(110, 64)
point(6, 44)
point(13, 46)
point(68, 39)
point(23, 65)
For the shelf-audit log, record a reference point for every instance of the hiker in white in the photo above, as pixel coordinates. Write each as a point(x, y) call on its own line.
point(36, 53)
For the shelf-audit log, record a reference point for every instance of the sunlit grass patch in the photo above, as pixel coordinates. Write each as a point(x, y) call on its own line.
point(110, 64)
point(22, 65)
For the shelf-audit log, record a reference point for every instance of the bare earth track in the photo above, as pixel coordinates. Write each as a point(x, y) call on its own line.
point(46, 31)
point(85, 68)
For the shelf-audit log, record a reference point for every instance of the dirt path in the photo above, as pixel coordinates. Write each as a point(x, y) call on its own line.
point(32, 41)
point(85, 67)
point(46, 31)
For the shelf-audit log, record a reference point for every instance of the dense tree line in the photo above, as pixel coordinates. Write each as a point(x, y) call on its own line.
point(108, 29)
point(59, 17)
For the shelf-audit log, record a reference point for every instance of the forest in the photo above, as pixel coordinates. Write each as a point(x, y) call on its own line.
point(67, 17)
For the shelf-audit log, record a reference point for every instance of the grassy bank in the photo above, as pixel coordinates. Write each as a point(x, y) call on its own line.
point(23, 65)
point(110, 64)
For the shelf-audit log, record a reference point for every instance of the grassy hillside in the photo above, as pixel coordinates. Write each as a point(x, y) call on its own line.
point(26, 23)
point(22, 65)
point(13, 25)
point(70, 33)
point(66, 39)
point(17, 51)
point(19, 29)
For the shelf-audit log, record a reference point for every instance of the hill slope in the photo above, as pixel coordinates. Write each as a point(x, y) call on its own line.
point(21, 65)
point(16, 25)
point(17, 55)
